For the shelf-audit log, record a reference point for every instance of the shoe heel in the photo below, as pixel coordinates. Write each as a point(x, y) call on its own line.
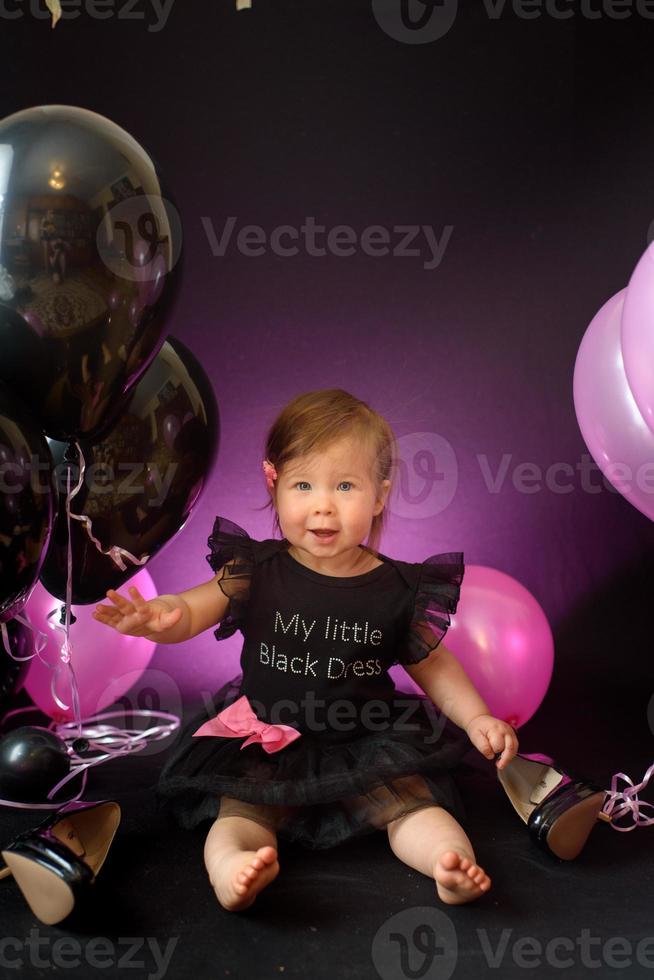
point(567, 835)
point(50, 898)
point(55, 863)
point(559, 809)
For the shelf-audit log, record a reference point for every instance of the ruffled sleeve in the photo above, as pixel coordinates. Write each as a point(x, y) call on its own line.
point(437, 595)
point(233, 550)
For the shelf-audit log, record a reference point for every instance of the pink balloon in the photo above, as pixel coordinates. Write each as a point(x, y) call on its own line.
point(106, 663)
point(619, 440)
point(503, 640)
point(637, 335)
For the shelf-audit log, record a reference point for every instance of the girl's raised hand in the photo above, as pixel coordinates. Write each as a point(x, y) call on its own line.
point(140, 617)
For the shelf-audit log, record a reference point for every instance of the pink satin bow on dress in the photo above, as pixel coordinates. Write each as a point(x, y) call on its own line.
point(238, 719)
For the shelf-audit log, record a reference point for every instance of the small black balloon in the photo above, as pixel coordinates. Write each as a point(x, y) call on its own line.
point(32, 761)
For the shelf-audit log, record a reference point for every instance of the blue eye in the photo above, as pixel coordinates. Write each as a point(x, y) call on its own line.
point(306, 483)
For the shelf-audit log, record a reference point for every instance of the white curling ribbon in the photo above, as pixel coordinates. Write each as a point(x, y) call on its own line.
point(63, 660)
point(109, 741)
point(114, 552)
point(39, 642)
point(114, 741)
point(619, 803)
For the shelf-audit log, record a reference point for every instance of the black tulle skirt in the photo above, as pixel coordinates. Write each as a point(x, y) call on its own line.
point(320, 790)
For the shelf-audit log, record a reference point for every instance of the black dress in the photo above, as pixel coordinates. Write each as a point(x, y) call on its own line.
point(315, 658)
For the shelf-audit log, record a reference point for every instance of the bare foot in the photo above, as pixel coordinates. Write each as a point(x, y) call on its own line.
point(458, 879)
point(242, 876)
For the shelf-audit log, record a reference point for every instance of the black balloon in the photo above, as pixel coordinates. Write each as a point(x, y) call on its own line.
point(27, 503)
point(88, 248)
point(13, 672)
point(32, 762)
point(142, 479)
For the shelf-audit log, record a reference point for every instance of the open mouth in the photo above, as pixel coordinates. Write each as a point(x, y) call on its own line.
point(324, 535)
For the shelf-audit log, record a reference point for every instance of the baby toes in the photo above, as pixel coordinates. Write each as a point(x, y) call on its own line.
point(458, 879)
point(237, 891)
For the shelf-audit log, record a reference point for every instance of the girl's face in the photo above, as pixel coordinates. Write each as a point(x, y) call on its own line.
point(332, 490)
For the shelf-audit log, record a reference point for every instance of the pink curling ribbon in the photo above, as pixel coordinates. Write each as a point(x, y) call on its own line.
point(66, 647)
point(40, 642)
point(64, 663)
point(620, 802)
point(107, 741)
point(239, 719)
point(114, 552)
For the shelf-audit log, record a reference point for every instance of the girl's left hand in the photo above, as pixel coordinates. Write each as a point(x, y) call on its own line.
point(492, 735)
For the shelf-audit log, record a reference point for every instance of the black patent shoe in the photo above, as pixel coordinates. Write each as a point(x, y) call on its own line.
point(560, 809)
point(54, 864)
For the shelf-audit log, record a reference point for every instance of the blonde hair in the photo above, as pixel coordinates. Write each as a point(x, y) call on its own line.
point(315, 420)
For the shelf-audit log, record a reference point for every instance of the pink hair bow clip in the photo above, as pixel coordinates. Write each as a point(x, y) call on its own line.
point(239, 719)
point(271, 473)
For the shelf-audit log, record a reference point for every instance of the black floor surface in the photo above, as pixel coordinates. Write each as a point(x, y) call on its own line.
point(356, 911)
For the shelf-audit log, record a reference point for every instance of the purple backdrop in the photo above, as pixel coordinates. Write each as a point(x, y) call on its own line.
point(542, 174)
